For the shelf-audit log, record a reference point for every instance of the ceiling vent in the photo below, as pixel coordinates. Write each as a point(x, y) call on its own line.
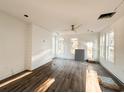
point(106, 15)
point(26, 16)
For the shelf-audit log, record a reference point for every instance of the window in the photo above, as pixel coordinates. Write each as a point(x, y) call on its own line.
point(60, 46)
point(90, 50)
point(102, 46)
point(107, 46)
point(75, 45)
point(110, 47)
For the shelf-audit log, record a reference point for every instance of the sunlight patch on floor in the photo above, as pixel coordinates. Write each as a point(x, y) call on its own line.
point(14, 79)
point(92, 83)
point(43, 87)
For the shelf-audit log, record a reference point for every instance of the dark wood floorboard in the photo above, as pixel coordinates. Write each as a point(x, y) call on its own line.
point(57, 76)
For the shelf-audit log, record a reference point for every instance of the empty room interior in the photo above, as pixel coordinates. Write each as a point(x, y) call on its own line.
point(61, 45)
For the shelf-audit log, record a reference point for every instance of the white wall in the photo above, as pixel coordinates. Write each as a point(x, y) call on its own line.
point(23, 46)
point(83, 38)
point(28, 45)
point(12, 45)
point(117, 68)
point(41, 46)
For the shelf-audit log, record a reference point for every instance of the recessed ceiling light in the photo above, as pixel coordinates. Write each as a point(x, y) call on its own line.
point(26, 16)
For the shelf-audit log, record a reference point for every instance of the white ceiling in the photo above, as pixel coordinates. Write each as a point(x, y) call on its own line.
point(58, 15)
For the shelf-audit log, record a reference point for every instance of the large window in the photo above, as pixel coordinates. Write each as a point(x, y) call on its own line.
point(75, 45)
point(110, 47)
point(90, 50)
point(107, 46)
point(60, 46)
point(102, 46)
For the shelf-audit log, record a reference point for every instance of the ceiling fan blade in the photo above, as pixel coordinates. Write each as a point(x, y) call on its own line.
point(78, 26)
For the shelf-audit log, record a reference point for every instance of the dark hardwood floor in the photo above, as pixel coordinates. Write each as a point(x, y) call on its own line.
point(56, 76)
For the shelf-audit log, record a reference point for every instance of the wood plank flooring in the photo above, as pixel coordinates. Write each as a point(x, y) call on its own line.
point(56, 76)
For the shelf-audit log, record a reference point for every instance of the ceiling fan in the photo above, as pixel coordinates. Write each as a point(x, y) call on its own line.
point(74, 27)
